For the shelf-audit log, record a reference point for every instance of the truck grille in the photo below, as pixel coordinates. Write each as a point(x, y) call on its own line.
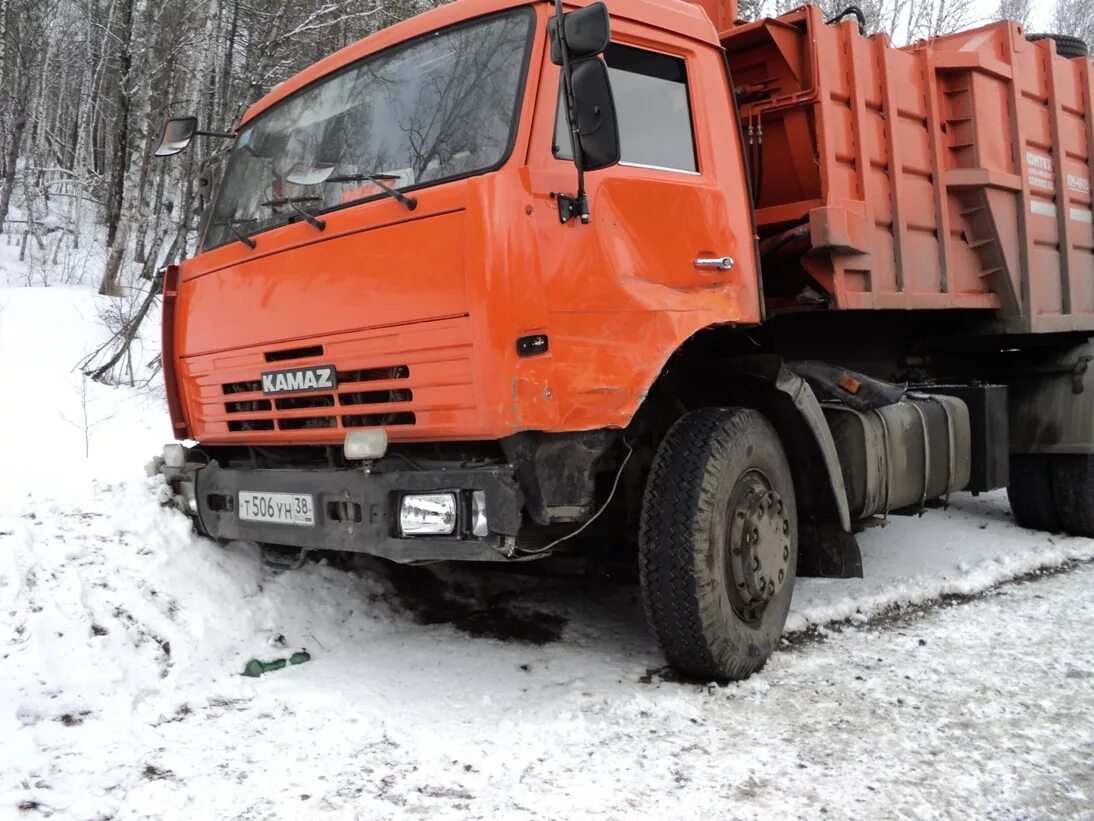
point(416, 378)
point(352, 398)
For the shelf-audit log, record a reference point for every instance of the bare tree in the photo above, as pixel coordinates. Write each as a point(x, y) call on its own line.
point(1074, 17)
point(750, 9)
point(86, 84)
point(885, 16)
point(1017, 10)
point(25, 33)
point(934, 18)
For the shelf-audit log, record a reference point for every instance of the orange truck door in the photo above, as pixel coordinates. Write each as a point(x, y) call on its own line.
point(633, 285)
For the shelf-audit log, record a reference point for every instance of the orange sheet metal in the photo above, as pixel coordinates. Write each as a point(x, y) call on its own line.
point(420, 312)
point(952, 173)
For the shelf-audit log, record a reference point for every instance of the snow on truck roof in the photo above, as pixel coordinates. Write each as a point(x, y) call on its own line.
point(677, 16)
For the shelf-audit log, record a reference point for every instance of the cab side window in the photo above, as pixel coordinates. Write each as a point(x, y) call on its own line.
point(651, 98)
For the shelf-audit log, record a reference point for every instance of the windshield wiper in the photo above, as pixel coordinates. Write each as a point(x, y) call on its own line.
point(410, 202)
point(294, 204)
point(234, 226)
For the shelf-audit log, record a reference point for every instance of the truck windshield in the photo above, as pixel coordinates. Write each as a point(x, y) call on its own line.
point(440, 107)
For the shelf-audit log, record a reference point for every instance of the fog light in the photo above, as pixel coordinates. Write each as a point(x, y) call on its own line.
point(174, 455)
point(479, 525)
point(189, 496)
point(427, 514)
point(365, 444)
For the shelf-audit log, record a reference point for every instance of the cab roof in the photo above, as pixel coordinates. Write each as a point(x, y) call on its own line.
point(677, 16)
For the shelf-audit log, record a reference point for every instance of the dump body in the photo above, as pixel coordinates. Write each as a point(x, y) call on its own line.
point(951, 173)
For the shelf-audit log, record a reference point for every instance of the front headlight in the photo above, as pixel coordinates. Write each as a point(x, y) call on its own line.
point(480, 526)
point(187, 490)
point(427, 514)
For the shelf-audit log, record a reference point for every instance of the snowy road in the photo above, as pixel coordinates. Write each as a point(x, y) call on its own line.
point(122, 636)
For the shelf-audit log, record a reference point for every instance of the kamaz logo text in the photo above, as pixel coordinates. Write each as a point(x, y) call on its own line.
point(299, 380)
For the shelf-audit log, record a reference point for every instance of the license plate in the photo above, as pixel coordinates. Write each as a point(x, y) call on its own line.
point(278, 508)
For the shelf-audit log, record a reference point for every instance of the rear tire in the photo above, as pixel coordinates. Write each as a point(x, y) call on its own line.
point(718, 543)
point(1073, 486)
point(1031, 494)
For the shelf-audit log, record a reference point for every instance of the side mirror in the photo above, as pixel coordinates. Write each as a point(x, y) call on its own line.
point(587, 31)
point(177, 134)
point(597, 126)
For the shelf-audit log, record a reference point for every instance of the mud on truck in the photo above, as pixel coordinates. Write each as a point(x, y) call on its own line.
point(510, 280)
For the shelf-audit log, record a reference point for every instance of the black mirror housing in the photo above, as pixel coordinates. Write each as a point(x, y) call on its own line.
point(177, 135)
point(587, 30)
point(597, 126)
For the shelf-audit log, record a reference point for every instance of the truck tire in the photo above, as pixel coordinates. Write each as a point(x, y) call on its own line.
point(1031, 494)
point(718, 543)
point(1073, 487)
point(1066, 45)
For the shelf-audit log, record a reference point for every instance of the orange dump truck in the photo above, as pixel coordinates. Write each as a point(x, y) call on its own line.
point(511, 280)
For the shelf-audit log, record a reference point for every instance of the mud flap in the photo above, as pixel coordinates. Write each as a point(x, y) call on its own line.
point(833, 553)
point(826, 546)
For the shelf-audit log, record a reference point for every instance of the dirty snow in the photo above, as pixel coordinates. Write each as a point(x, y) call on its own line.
point(461, 694)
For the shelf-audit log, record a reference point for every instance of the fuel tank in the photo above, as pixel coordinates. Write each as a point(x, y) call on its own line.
point(903, 454)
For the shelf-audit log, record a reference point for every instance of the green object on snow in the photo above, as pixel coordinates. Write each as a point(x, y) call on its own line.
point(256, 668)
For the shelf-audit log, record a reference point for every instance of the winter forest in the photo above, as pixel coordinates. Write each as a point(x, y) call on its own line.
point(85, 86)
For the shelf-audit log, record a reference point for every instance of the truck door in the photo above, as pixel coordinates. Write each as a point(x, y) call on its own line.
point(643, 275)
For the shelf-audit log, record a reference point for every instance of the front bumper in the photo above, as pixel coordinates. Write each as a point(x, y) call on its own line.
point(357, 511)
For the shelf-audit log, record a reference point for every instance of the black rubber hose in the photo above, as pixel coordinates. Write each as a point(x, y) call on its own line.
point(852, 10)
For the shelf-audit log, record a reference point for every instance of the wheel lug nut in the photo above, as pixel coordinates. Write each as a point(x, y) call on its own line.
point(786, 553)
point(786, 526)
point(781, 575)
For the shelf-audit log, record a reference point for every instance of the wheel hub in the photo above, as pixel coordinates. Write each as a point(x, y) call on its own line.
point(759, 547)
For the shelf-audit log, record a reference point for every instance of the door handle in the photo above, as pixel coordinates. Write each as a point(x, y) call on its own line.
point(720, 263)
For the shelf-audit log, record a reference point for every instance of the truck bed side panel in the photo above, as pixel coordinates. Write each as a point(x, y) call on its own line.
point(952, 173)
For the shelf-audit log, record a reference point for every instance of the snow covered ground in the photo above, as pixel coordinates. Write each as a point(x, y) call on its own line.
point(458, 694)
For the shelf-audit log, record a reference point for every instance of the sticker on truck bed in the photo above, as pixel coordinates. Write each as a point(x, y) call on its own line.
point(300, 380)
point(1040, 174)
point(1039, 171)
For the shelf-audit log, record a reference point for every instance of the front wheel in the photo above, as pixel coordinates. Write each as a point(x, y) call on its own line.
point(718, 544)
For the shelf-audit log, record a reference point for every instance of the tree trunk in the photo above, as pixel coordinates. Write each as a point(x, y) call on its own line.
point(119, 165)
point(111, 275)
point(10, 161)
point(119, 170)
